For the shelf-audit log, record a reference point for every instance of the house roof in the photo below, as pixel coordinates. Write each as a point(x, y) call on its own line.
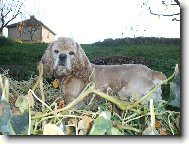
point(30, 22)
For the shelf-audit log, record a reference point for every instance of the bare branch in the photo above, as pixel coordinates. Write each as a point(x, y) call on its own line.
point(175, 19)
point(163, 14)
point(8, 12)
point(11, 19)
point(177, 2)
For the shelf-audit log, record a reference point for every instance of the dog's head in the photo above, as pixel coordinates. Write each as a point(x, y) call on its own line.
point(64, 51)
point(63, 57)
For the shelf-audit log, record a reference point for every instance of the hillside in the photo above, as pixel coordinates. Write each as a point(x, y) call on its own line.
point(159, 54)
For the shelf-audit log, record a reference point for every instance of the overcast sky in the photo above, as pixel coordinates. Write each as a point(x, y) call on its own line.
point(88, 21)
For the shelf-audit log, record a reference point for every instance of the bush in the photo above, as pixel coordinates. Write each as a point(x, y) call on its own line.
point(18, 40)
point(5, 41)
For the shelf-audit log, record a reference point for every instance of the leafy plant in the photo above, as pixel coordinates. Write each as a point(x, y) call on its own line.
point(24, 118)
point(103, 125)
point(175, 91)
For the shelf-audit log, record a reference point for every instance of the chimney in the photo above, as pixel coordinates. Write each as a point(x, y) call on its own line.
point(32, 17)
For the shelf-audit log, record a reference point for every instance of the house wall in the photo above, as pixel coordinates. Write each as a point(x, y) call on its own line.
point(47, 36)
point(13, 33)
point(40, 35)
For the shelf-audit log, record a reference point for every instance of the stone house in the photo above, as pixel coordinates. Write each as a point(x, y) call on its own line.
point(31, 30)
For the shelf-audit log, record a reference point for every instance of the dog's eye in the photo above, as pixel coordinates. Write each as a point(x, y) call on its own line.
point(56, 51)
point(71, 53)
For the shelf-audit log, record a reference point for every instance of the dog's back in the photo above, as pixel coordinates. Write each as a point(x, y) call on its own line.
point(134, 80)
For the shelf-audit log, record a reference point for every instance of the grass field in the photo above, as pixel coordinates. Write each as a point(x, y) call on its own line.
point(22, 58)
point(161, 57)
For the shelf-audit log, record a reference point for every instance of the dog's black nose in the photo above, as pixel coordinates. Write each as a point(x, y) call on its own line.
point(62, 57)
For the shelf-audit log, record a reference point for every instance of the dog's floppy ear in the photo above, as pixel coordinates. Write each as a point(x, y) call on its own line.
point(82, 59)
point(47, 61)
point(81, 67)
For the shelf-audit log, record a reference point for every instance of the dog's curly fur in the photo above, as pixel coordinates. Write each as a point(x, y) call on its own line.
point(74, 72)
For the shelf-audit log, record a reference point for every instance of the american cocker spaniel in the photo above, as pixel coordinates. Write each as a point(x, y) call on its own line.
point(66, 60)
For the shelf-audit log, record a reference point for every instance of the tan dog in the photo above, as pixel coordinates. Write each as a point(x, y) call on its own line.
point(66, 60)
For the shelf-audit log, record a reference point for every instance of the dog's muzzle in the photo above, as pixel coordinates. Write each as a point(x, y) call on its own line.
point(62, 59)
point(61, 68)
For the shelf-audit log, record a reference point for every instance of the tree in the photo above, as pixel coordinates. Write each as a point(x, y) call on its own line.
point(9, 10)
point(166, 5)
point(20, 29)
point(29, 27)
point(33, 28)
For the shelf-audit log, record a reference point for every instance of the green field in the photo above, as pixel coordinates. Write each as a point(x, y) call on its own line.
point(22, 58)
point(161, 57)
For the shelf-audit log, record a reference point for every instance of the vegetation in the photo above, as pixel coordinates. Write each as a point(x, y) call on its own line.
point(166, 51)
point(39, 113)
point(30, 102)
point(5, 41)
point(162, 54)
point(21, 59)
point(9, 10)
